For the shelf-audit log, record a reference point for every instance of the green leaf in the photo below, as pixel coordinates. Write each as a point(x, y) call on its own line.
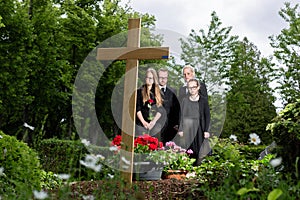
point(244, 190)
point(275, 194)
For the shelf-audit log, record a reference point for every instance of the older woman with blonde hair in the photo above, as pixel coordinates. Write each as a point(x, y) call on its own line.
point(149, 109)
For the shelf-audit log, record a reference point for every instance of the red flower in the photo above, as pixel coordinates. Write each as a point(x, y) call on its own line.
point(147, 140)
point(161, 145)
point(150, 101)
point(117, 140)
point(151, 143)
point(152, 147)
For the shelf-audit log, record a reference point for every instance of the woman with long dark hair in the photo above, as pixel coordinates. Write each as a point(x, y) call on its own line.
point(149, 109)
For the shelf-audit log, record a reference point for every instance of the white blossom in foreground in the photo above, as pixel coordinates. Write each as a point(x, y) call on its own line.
point(91, 162)
point(191, 175)
point(1, 171)
point(88, 197)
point(1, 136)
point(276, 162)
point(100, 157)
point(40, 195)
point(110, 176)
point(254, 139)
point(63, 176)
point(28, 126)
point(127, 162)
point(113, 148)
point(85, 142)
point(233, 137)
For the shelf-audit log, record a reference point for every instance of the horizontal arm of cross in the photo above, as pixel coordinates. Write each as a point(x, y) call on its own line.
point(139, 53)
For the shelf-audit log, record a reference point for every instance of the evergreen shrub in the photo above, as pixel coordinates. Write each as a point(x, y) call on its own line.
point(285, 129)
point(20, 168)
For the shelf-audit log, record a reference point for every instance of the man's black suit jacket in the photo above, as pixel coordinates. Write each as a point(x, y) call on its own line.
point(172, 107)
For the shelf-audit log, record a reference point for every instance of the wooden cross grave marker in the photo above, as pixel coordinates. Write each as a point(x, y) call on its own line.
point(132, 54)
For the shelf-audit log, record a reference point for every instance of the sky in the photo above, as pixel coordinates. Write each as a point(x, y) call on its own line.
point(254, 19)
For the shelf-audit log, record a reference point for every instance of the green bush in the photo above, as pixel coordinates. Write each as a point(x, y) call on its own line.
point(231, 173)
point(285, 129)
point(50, 180)
point(61, 156)
point(20, 166)
point(251, 152)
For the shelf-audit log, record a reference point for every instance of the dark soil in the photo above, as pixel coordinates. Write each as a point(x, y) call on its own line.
point(161, 189)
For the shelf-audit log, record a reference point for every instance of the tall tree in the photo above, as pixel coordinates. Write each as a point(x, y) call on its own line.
point(287, 51)
point(210, 52)
point(15, 37)
point(43, 44)
point(249, 100)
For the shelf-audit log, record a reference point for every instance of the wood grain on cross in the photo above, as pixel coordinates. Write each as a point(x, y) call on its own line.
point(132, 54)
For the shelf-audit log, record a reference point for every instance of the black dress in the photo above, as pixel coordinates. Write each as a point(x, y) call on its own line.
point(145, 110)
point(195, 120)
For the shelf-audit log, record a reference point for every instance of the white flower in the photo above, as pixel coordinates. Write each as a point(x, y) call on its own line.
point(254, 167)
point(276, 162)
point(1, 136)
point(63, 176)
point(127, 162)
point(88, 197)
point(254, 138)
point(40, 195)
point(191, 174)
point(233, 137)
point(91, 162)
point(85, 142)
point(110, 176)
point(100, 157)
point(113, 148)
point(28, 126)
point(1, 171)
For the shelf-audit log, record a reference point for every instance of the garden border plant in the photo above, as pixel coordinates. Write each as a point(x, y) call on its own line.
point(20, 169)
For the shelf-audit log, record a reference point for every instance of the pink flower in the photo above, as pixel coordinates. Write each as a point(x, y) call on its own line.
point(170, 144)
point(190, 151)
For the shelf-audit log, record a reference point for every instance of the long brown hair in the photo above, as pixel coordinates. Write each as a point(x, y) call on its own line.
point(146, 92)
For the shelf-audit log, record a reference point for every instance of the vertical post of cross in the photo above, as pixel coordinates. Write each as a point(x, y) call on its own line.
point(130, 84)
point(132, 54)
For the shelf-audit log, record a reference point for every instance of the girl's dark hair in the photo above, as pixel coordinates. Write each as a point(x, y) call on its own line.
point(195, 80)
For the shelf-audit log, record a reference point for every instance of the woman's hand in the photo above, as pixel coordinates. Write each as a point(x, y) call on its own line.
point(146, 124)
point(151, 124)
point(180, 133)
point(206, 134)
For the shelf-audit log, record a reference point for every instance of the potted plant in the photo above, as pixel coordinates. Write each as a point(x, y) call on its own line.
point(180, 164)
point(151, 156)
point(148, 156)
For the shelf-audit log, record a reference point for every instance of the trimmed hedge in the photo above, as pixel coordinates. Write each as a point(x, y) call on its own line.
point(63, 157)
point(251, 152)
